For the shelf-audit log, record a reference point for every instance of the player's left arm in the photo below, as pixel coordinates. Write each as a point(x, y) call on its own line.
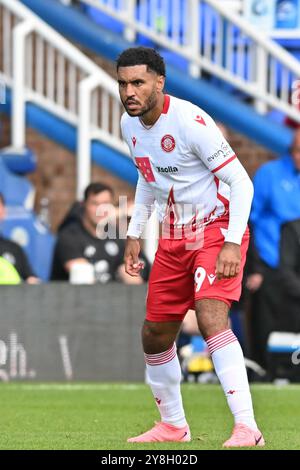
point(215, 152)
point(228, 263)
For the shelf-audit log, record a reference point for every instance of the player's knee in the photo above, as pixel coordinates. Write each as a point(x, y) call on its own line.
point(155, 338)
point(151, 332)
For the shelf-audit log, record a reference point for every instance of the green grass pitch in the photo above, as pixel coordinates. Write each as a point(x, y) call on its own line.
point(102, 416)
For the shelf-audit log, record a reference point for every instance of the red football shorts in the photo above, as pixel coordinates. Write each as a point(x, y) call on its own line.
point(184, 272)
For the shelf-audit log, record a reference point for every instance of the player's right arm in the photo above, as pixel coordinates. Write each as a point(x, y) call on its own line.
point(143, 206)
point(142, 210)
point(131, 257)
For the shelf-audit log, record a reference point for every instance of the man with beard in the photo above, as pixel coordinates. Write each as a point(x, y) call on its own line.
point(83, 240)
point(190, 171)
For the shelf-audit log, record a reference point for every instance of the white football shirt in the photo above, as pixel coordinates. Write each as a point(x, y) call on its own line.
point(183, 162)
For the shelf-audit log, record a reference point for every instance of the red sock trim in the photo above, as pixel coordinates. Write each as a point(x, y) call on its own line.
point(161, 358)
point(220, 340)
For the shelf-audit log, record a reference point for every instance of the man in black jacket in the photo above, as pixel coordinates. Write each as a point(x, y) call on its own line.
point(79, 241)
point(290, 276)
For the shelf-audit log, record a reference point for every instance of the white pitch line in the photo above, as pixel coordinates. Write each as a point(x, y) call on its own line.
point(69, 387)
point(72, 387)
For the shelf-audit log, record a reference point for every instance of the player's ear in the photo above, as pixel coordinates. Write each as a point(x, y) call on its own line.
point(160, 83)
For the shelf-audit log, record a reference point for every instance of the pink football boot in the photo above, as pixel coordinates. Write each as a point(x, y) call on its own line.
point(163, 432)
point(243, 436)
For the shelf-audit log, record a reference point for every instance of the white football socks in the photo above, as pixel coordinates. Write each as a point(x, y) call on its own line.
point(228, 359)
point(164, 377)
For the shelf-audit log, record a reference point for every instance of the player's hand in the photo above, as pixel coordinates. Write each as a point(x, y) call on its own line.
point(228, 261)
point(131, 257)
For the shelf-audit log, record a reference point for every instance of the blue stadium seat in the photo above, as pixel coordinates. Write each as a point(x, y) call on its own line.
point(104, 20)
point(171, 58)
point(161, 19)
point(206, 14)
point(19, 161)
point(17, 191)
point(276, 116)
point(24, 228)
point(291, 44)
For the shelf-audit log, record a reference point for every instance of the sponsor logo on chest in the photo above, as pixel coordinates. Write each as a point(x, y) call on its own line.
point(167, 169)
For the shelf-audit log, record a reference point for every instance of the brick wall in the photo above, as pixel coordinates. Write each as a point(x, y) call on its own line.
point(250, 154)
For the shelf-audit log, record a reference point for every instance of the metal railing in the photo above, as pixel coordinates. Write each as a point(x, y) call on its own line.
point(42, 67)
point(215, 39)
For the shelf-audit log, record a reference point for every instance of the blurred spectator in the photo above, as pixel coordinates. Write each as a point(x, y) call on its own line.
point(14, 265)
point(74, 214)
point(82, 239)
point(289, 319)
point(252, 282)
point(276, 201)
point(254, 269)
point(189, 328)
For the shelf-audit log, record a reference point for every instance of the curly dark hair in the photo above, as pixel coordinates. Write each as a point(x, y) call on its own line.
point(142, 56)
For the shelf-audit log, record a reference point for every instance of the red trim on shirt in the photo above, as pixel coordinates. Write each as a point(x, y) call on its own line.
point(221, 198)
point(223, 164)
point(166, 104)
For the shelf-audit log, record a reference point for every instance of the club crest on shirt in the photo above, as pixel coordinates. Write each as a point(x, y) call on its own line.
point(167, 143)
